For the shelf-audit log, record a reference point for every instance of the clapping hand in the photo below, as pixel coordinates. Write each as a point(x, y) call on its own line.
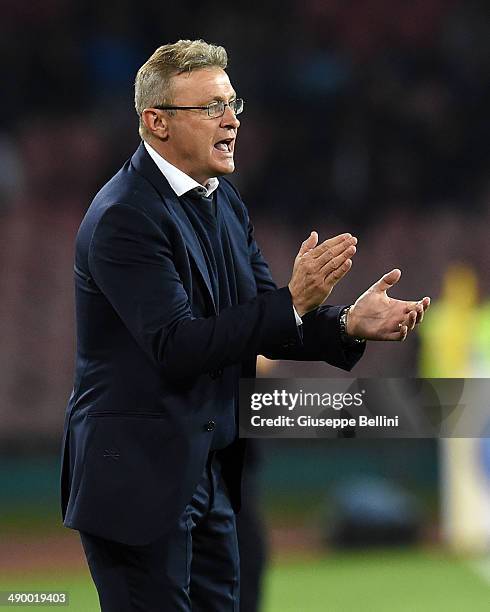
point(318, 268)
point(376, 316)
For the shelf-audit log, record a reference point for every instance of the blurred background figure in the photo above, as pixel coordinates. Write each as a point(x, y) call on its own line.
point(456, 344)
point(372, 116)
point(451, 346)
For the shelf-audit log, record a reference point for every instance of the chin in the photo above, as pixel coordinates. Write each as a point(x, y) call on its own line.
point(225, 169)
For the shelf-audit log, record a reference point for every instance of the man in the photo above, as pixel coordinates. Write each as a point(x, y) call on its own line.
point(174, 303)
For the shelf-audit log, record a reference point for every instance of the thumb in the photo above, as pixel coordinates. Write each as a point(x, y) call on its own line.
point(308, 244)
point(388, 280)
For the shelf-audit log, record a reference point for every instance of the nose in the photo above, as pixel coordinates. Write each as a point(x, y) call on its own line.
point(229, 119)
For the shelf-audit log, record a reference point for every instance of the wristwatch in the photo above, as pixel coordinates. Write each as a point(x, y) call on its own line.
point(344, 336)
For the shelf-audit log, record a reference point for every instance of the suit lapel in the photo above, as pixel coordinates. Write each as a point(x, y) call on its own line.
point(143, 164)
point(191, 240)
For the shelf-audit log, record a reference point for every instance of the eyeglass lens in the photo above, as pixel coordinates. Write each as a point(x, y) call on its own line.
point(218, 109)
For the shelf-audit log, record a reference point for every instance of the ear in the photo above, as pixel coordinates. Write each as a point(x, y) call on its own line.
point(156, 122)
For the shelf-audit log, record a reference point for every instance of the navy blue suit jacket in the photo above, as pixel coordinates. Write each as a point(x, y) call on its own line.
point(156, 365)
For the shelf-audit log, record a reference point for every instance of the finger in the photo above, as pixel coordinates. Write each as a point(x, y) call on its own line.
point(388, 280)
point(398, 336)
point(336, 241)
point(419, 307)
point(308, 244)
point(420, 313)
point(423, 305)
point(419, 316)
point(416, 313)
point(338, 274)
point(412, 318)
point(334, 257)
point(396, 327)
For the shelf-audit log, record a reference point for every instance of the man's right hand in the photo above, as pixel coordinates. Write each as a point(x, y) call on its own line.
point(318, 268)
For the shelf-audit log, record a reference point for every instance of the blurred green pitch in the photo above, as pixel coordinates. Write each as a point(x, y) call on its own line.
point(414, 581)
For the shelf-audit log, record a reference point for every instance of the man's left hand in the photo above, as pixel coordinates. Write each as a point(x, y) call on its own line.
point(376, 316)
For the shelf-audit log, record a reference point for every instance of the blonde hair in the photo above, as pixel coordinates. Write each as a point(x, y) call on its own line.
point(152, 86)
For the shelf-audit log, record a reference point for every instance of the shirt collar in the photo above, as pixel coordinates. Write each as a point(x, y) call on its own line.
point(179, 181)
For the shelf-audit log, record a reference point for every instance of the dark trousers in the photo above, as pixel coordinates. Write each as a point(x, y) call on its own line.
point(195, 566)
point(251, 543)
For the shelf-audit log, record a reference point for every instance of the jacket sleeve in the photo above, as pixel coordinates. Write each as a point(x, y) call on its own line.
point(131, 261)
point(320, 331)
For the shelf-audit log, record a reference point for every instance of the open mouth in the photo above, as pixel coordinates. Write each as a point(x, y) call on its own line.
point(225, 145)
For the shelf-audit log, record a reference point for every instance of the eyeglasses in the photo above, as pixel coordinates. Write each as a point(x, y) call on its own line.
point(215, 109)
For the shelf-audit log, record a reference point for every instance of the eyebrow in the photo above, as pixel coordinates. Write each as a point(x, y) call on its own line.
point(221, 99)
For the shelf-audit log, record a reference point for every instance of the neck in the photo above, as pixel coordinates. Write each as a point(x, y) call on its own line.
point(169, 157)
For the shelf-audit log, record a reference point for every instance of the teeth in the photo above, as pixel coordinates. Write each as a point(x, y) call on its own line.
point(222, 146)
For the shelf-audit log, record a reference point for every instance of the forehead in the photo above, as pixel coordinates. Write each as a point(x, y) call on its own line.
point(199, 86)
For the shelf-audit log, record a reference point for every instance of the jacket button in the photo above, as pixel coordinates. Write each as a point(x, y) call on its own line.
point(210, 425)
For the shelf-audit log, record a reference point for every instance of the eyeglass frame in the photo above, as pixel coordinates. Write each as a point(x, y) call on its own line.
point(236, 101)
